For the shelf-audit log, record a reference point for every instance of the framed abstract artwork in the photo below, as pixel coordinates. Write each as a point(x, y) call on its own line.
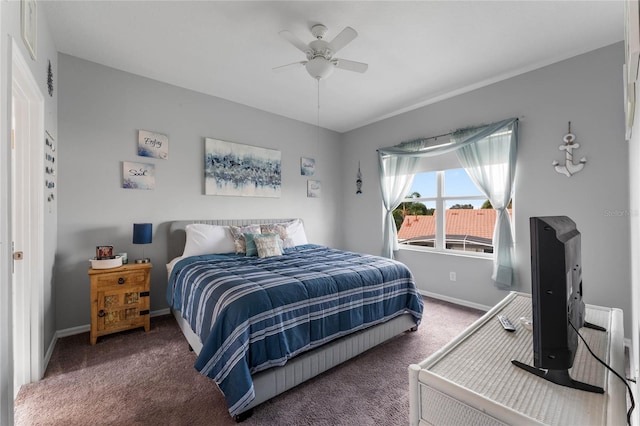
point(241, 170)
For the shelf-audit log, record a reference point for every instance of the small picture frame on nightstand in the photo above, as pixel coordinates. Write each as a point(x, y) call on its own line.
point(104, 252)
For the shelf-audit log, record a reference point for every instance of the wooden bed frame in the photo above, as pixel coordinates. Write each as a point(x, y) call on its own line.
point(274, 381)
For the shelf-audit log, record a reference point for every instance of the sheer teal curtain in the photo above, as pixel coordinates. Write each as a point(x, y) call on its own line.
point(396, 177)
point(490, 162)
point(395, 183)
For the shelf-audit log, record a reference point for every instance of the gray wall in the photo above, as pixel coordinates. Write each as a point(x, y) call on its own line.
point(100, 112)
point(586, 90)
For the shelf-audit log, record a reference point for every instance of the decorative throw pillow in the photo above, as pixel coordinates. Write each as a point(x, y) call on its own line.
point(207, 239)
point(251, 248)
point(279, 229)
point(238, 236)
point(268, 245)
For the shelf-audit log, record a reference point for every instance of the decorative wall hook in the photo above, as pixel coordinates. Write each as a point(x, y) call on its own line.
point(569, 168)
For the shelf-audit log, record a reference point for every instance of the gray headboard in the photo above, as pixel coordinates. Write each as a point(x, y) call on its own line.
point(178, 237)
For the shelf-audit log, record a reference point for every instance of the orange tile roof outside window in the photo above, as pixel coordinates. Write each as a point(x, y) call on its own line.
point(474, 222)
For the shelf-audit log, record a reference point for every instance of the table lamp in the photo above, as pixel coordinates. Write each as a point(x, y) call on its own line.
point(142, 235)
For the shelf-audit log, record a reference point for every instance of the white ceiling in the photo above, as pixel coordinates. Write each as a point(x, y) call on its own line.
point(418, 52)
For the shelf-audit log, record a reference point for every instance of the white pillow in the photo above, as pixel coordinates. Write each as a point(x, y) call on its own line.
point(295, 232)
point(207, 239)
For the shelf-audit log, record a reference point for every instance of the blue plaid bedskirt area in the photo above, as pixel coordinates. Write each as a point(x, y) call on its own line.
point(252, 313)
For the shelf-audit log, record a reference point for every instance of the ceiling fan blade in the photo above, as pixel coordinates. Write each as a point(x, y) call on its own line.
point(345, 64)
point(291, 38)
point(289, 66)
point(345, 37)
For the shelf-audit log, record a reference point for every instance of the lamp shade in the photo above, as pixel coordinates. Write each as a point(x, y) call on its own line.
point(142, 233)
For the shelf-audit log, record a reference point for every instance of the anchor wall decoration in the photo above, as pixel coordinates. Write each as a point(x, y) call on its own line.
point(569, 168)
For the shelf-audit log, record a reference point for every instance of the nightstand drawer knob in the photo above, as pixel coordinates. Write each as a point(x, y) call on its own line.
point(101, 313)
point(120, 280)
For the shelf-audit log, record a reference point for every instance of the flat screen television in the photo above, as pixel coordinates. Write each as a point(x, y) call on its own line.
point(557, 307)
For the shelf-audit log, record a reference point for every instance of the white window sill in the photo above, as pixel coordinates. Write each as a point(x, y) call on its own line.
point(458, 253)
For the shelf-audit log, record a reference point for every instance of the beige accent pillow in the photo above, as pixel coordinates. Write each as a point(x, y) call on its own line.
point(268, 245)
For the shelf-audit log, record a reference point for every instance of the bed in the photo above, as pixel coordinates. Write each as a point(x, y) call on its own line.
point(262, 323)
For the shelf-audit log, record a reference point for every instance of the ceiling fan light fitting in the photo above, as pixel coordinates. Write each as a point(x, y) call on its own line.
point(319, 68)
point(318, 31)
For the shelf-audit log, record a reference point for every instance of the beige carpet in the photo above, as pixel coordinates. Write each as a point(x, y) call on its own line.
point(138, 378)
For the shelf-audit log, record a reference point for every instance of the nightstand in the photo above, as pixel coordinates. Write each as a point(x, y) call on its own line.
point(119, 299)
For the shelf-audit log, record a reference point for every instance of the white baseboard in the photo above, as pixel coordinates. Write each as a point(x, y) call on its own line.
point(72, 331)
point(85, 328)
point(82, 329)
point(455, 300)
point(160, 312)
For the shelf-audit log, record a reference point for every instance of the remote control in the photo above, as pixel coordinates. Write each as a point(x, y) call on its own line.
point(506, 324)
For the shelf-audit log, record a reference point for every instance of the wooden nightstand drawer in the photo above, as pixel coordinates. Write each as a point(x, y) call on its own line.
point(123, 278)
point(119, 299)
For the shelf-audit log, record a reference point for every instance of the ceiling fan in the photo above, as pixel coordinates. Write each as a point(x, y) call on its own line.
point(320, 62)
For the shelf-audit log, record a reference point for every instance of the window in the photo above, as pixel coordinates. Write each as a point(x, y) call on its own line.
point(488, 155)
point(468, 221)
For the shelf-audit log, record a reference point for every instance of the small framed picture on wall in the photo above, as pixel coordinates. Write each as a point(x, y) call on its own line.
point(154, 145)
point(314, 187)
point(138, 175)
point(307, 166)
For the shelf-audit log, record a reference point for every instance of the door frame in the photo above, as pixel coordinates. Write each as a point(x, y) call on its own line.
point(6, 316)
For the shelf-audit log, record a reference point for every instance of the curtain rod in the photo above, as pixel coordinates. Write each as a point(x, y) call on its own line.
point(435, 137)
point(425, 139)
point(447, 134)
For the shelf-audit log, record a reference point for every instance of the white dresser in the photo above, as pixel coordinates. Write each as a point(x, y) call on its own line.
point(472, 380)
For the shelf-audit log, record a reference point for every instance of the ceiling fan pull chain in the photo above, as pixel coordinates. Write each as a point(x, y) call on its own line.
point(318, 127)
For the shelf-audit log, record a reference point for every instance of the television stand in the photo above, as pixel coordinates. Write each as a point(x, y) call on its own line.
point(471, 380)
point(559, 377)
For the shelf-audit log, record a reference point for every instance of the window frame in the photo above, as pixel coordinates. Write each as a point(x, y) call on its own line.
point(440, 201)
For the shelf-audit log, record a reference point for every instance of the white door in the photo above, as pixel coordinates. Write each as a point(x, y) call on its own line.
point(27, 183)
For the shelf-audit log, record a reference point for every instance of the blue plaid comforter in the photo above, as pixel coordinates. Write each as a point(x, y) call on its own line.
point(252, 313)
